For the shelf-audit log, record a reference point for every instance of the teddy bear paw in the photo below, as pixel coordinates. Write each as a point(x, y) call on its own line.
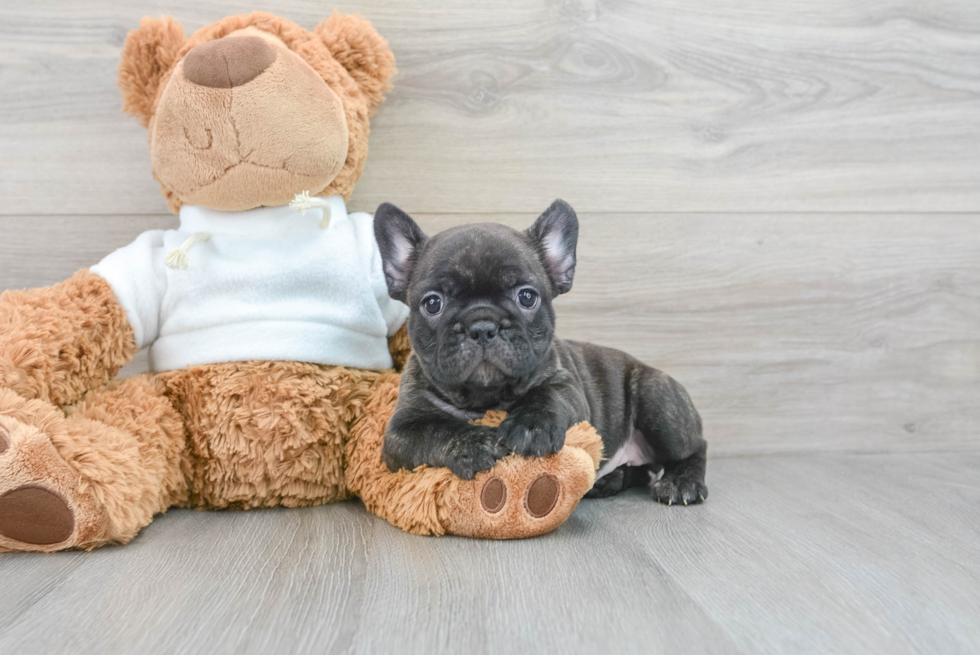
point(520, 496)
point(42, 506)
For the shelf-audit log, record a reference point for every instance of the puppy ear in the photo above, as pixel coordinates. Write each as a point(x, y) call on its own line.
point(148, 53)
point(362, 51)
point(399, 239)
point(555, 236)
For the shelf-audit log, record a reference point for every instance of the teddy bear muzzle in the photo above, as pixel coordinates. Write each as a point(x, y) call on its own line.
point(245, 122)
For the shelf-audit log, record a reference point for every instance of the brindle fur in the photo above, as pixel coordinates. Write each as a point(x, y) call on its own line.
point(485, 351)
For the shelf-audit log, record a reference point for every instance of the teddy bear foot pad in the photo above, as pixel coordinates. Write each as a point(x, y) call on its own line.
point(40, 494)
point(539, 500)
point(35, 515)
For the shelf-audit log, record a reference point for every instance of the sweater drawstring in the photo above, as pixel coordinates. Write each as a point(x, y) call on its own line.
point(303, 202)
point(177, 259)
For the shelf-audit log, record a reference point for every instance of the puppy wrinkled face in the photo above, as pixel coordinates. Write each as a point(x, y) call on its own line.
point(481, 308)
point(480, 295)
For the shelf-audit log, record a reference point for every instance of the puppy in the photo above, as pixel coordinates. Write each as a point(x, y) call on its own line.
point(482, 332)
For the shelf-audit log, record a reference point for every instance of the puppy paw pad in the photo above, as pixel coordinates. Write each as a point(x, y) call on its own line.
point(493, 497)
point(35, 515)
point(542, 495)
point(4, 440)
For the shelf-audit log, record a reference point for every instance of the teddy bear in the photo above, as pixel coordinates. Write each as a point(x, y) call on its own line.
point(273, 345)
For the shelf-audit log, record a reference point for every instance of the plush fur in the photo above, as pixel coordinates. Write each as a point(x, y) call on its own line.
point(149, 53)
point(59, 342)
point(86, 460)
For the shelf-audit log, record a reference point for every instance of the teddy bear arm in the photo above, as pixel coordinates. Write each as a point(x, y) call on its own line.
point(58, 342)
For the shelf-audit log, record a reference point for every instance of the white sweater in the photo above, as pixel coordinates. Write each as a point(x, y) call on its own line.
point(269, 284)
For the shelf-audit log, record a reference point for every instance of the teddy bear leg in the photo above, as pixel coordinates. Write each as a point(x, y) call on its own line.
point(93, 474)
point(519, 497)
point(265, 434)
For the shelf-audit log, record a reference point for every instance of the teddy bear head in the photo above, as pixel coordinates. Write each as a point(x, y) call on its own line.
point(253, 109)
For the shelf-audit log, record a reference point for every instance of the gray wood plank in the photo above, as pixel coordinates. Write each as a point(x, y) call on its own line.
point(831, 554)
point(804, 554)
point(792, 332)
point(190, 595)
point(749, 106)
point(37, 251)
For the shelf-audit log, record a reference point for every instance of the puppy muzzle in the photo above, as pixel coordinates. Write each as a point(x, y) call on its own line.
point(482, 322)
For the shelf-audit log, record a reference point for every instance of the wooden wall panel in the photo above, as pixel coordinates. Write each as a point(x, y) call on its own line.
point(669, 106)
point(792, 332)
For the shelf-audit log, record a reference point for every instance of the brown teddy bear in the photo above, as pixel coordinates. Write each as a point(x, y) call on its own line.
point(271, 333)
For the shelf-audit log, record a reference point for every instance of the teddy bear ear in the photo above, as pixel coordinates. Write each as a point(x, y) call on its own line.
point(148, 53)
point(362, 51)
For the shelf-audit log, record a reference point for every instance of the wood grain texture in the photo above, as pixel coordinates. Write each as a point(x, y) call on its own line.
point(792, 332)
point(816, 554)
point(37, 251)
point(779, 207)
point(616, 106)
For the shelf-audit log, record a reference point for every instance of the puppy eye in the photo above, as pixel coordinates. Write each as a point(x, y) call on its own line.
point(527, 298)
point(432, 304)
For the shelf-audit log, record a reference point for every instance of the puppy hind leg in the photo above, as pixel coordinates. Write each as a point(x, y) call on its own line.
point(624, 477)
point(671, 426)
point(608, 485)
point(682, 482)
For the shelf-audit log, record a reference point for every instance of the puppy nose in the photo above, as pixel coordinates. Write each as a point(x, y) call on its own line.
point(228, 62)
point(482, 331)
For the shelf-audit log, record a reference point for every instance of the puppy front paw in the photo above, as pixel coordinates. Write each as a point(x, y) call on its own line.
point(532, 434)
point(478, 453)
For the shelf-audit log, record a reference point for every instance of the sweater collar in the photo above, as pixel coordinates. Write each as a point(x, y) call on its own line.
point(260, 221)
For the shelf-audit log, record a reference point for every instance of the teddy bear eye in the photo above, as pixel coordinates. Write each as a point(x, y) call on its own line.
point(195, 144)
point(432, 304)
point(527, 297)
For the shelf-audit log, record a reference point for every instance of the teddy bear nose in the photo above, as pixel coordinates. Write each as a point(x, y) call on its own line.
point(228, 62)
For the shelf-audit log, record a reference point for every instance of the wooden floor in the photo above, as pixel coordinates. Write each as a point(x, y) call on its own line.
point(804, 554)
point(780, 206)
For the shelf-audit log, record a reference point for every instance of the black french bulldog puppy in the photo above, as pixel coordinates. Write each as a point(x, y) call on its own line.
point(482, 333)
